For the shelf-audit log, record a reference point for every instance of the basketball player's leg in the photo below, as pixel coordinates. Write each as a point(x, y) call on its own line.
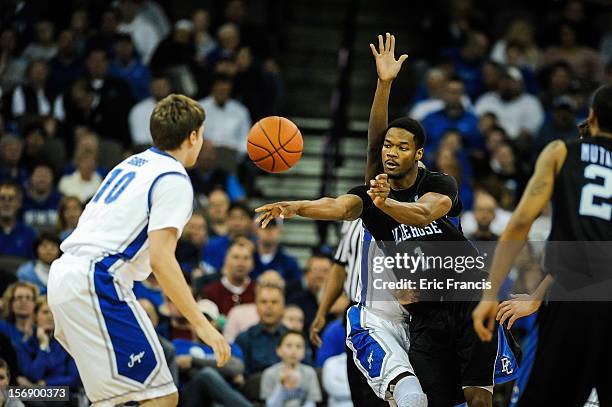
point(171, 400)
point(565, 344)
point(361, 393)
point(379, 352)
point(113, 343)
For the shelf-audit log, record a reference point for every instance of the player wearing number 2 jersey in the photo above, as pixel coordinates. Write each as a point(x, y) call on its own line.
point(129, 229)
point(573, 336)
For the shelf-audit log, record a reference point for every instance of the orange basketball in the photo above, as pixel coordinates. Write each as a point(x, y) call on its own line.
point(275, 144)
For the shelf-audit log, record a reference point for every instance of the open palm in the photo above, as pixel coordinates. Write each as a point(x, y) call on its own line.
point(387, 66)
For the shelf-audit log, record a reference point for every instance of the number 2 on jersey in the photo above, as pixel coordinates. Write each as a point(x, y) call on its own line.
point(588, 206)
point(118, 188)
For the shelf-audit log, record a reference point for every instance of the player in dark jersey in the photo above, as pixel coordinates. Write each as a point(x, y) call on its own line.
point(574, 336)
point(407, 203)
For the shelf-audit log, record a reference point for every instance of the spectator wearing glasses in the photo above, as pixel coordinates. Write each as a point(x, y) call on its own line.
point(19, 301)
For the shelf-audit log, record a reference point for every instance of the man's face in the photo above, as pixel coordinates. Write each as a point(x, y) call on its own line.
point(10, 202)
point(195, 230)
point(124, 50)
point(453, 94)
point(509, 88)
point(399, 153)
point(42, 179)
point(239, 261)
point(269, 237)
point(160, 88)
point(97, 64)
point(318, 270)
point(23, 302)
point(12, 148)
point(221, 91)
point(65, 42)
point(270, 305)
point(484, 210)
point(4, 378)
point(292, 350)
point(238, 222)
point(218, 204)
point(47, 251)
point(39, 72)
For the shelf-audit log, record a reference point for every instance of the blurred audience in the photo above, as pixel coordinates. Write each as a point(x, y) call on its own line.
point(141, 112)
point(16, 237)
point(46, 248)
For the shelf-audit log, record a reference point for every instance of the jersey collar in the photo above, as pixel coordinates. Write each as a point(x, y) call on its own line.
point(161, 152)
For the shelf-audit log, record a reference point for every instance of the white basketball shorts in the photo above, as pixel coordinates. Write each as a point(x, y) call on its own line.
point(107, 332)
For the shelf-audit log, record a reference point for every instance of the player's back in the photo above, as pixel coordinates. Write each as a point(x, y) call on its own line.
point(113, 228)
point(582, 199)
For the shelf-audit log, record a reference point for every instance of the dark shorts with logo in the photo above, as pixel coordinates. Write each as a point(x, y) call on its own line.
point(446, 353)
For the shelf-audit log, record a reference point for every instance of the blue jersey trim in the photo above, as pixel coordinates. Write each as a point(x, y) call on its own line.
point(161, 152)
point(368, 351)
point(160, 176)
point(367, 239)
point(134, 354)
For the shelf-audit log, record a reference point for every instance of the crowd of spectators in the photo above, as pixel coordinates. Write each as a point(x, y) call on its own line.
point(76, 96)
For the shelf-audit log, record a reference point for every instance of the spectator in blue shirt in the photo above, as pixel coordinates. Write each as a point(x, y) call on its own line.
point(468, 61)
point(127, 66)
point(259, 342)
point(41, 200)
point(307, 298)
point(42, 360)
point(16, 238)
point(19, 301)
point(239, 224)
point(203, 382)
point(333, 341)
point(270, 254)
point(36, 271)
point(453, 116)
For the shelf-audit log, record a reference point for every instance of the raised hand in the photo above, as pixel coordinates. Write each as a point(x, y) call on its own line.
point(210, 336)
point(283, 210)
point(387, 66)
point(379, 189)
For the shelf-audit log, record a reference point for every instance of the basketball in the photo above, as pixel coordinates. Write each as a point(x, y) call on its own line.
point(275, 144)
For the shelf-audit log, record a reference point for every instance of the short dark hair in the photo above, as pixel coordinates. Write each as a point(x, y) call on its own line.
point(173, 120)
point(11, 184)
point(5, 366)
point(602, 107)
point(412, 126)
point(291, 332)
point(241, 207)
point(45, 237)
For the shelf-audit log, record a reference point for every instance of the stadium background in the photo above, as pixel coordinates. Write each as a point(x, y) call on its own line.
point(78, 80)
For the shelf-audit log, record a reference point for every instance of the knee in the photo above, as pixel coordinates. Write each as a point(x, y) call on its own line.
point(408, 392)
point(480, 400)
point(171, 400)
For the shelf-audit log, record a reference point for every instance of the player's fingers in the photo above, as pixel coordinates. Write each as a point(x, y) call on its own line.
point(373, 48)
point(505, 316)
point(403, 58)
point(387, 42)
point(314, 337)
point(513, 318)
point(260, 218)
point(392, 48)
point(266, 220)
point(264, 208)
point(382, 177)
point(381, 44)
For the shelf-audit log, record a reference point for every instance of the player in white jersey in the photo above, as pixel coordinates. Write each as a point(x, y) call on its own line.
point(128, 229)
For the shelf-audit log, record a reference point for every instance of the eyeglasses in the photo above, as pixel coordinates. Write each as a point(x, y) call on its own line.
point(8, 198)
point(23, 298)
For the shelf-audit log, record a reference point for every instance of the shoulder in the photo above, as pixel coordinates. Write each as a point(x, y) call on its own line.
point(308, 371)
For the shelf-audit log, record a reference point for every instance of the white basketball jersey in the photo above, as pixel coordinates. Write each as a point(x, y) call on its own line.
point(147, 191)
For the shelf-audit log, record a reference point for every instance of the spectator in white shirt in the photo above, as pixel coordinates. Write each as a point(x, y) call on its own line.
point(142, 31)
point(141, 112)
point(44, 46)
point(84, 182)
point(335, 381)
point(435, 81)
point(227, 123)
point(519, 113)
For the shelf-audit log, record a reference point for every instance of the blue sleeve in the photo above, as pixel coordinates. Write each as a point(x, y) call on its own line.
point(333, 342)
point(237, 352)
point(71, 378)
point(32, 360)
point(234, 189)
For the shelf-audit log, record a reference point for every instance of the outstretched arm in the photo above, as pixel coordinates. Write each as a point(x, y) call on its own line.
point(387, 69)
point(522, 305)
point(535, 198)
point(345, 207)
